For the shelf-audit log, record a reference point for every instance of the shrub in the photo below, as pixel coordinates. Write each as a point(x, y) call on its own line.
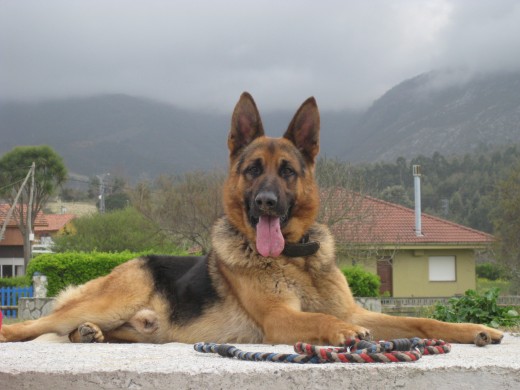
point(18, 281)
point(362, 283)
point(64, 269)
point(491, 271)
point(478, 309)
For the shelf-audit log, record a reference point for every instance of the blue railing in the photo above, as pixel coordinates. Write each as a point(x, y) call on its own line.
point(9, 299)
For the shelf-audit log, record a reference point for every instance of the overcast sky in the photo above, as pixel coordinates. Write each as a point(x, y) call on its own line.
point(204, 53)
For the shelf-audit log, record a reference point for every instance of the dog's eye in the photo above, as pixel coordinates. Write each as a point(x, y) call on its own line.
point(287, 172)
point(253, 171)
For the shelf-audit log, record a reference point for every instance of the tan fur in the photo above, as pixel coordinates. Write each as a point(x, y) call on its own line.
point(261, 299)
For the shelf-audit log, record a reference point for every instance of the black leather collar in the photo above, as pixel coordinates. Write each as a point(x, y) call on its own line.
point(302, 248)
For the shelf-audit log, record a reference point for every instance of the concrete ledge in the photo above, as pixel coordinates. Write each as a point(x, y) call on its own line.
point(47, 365)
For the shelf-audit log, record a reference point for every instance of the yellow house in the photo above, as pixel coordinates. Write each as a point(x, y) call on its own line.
point(438, 261)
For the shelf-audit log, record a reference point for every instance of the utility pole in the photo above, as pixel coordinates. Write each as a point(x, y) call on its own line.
point(29, 212)
point(10, 212)
point(102, 191)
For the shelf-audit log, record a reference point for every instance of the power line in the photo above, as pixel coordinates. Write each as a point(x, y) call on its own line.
point(11, 184)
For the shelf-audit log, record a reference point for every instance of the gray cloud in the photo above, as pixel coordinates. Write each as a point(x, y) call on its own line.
point(204, 53)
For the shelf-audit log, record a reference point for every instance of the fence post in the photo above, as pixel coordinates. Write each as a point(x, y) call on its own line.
point(40, 285)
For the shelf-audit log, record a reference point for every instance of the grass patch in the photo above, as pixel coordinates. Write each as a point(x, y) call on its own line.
point(9, 321)
point(484, 285)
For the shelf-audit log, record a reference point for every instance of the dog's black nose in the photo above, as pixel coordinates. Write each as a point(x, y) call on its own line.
point(266, 200)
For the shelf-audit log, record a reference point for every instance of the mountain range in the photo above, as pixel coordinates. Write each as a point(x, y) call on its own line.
point(138, 138)
point(448, 112)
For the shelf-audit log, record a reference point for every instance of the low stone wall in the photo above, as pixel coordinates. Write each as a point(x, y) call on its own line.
point(372, 304)
point(32, 308)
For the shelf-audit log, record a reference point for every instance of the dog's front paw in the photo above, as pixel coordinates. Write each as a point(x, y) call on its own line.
point(487, 336)
point(90, 333)
point(337, 332)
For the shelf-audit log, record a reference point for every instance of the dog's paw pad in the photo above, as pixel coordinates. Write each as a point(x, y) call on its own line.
point(90, 333)
point(482, 339)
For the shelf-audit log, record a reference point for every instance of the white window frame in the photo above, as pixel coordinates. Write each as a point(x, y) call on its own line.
point(14, 262)
point(442, 269)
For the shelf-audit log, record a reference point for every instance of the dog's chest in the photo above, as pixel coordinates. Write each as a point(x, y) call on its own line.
point(294, 278)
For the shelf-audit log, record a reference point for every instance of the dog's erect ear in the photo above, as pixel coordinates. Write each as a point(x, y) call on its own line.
point(246, 124)
point(304, 130)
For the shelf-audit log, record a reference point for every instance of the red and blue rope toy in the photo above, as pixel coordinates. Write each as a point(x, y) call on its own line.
point(354, 351)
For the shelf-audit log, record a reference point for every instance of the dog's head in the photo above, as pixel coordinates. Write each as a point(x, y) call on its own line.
point(270, 194)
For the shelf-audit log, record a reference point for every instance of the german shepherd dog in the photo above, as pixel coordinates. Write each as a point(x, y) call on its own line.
point(271, 276)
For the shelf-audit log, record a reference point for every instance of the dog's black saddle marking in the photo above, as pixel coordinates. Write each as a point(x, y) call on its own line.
point(185, 282)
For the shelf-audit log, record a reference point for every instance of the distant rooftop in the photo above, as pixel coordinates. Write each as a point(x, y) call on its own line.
point(367, 220)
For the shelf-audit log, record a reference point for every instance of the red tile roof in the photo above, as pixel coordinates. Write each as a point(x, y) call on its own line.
point(41, 219)
point(55, 222)
point(44, 224)
point(366, 220)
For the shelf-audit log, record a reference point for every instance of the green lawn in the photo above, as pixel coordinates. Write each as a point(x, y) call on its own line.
point(8, 321)
point(486, 284)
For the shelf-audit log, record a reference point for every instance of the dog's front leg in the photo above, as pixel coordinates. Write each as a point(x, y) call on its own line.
point(286, 326)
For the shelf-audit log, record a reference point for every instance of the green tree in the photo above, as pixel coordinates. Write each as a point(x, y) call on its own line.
point(117, 197)
point(49, 174)
point(114, 231)
point(506, 219)
point(117, 201)
point(396, 194)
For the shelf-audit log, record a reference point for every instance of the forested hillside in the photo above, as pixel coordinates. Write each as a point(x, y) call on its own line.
point(461, 188)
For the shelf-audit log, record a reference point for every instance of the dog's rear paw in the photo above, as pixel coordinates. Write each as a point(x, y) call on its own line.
point(90, 333)
point(145, 321)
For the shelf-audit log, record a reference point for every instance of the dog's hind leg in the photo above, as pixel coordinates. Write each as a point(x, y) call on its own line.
point(108, 302)
point(140, 328)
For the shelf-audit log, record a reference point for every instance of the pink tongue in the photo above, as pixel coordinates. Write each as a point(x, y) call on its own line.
point(269, 239)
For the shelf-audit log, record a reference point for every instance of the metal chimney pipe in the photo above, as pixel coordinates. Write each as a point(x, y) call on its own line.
point(417, 200)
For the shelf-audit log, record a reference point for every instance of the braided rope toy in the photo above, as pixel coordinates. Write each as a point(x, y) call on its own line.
point(354, 351)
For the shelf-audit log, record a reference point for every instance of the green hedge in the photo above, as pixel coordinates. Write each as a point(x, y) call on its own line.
point(18, 281)
point(64, 269)
point(362, 283)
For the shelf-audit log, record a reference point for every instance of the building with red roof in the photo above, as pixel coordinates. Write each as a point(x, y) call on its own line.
point(381, 236)
point(11, 245)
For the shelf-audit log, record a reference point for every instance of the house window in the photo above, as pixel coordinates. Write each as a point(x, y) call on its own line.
point(10, 267)
point(442, 269)
point(6, 271)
